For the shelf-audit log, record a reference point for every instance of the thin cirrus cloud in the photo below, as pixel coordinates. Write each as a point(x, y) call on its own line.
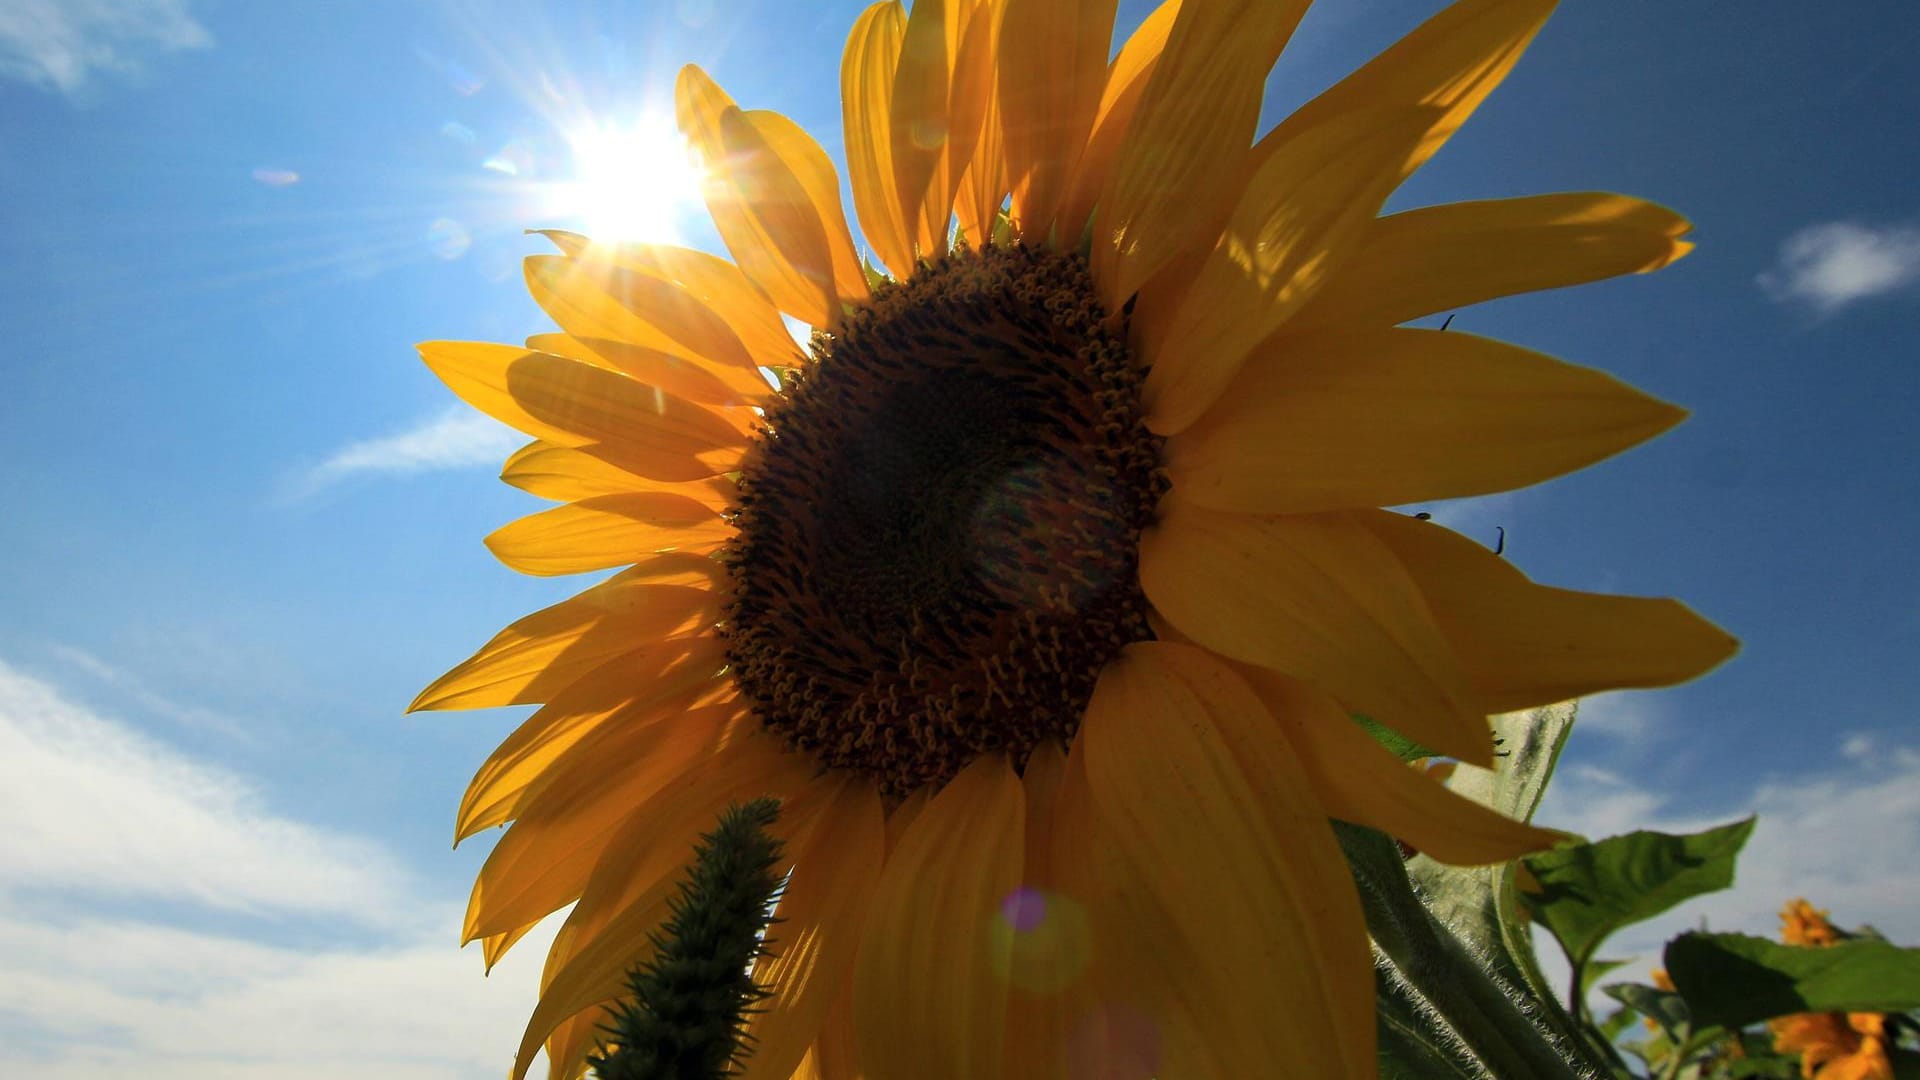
point(97, 809)
point(1829, 266)
point(99, 812)
point(456, 439)
point(62, 45)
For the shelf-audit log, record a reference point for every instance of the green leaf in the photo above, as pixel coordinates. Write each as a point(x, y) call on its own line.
point(1596, 970)
point(1736, 979)
point(1403, 748)
point(1588, 891)
point(1663, 1007)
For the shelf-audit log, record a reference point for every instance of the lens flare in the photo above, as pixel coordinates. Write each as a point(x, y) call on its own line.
point(630, 181)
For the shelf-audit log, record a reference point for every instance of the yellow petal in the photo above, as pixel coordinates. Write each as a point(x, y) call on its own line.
point(821, 912)
point(1445, 257)
point(1381, 417)
point(920, 122)
point(758, 201)
point(1295, 222)
point(1126, 78)
point(1358, 780)
point(976, 157)
point(545, 857)
point(1178, 169)
point(565, 474)
point(1452, 62)
point(1216, 821)
point(1052, 950)
point(1052, 69)
point(814, 171)
point(718, 283)
point(1523, 644)
point(611, 929)
point(593, 298)
point(866, 105)
point(1320, 598)
point(927, 1001)
point(636, 427)
point(541, 654)
point(707, 384)
point(607, 530)
point(658, 681)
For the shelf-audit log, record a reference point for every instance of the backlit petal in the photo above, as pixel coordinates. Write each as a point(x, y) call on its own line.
point(565, 474)
point(866, 105)
point(1441, 258)
point(606, 531)
point(927, 1000)
point(920, 122)
point(1053, 66)
point(1178, 172)
point(1358, 780)
point(1294, 224)
point(1126, 78)
point(1218, 819)
point(1320, 598)
point(1389, 416)
point(1522, 644)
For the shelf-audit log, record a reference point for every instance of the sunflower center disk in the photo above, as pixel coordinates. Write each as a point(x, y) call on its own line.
point(939, 532)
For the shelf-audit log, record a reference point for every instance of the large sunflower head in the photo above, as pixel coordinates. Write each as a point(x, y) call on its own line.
point(1045, 586)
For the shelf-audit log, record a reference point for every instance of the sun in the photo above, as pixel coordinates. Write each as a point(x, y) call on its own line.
point(630, 181)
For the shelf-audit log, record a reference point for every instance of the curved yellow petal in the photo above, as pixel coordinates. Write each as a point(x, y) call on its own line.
point(1126, 79)
point(593, 298)
point(607, 530)
point(1295, 223)
point(1218, 819)
point(822, 910)
point(1320, 598)
point(719, 284)
point(814, 171)
point(544, 859)
point(976, 143)
point(1051, 948)
point(634, 426)
point(659, 681)
point(539, 655)
point(564, 474)
point(1451, 62)
point(1177, 170)
point(866, 108)
point(761, 180)
point(1358, 780)
point(927, 1000)
point(1052, 69)
point(920, 122)
point(1445, 257)
point(707, 384)
point(1380, 417)
point(1523, 644)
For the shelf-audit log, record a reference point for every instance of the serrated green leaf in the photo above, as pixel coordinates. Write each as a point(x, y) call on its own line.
point(1588, 891)
point(1737, 979)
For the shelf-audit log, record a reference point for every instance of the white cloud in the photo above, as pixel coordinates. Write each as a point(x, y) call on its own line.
point(456, 439)
point(1619, 715)
point(95, 810)
point(95, 806)
point(146, 697)
point(61, 44)
point(1831, 265)
point(1845, 836)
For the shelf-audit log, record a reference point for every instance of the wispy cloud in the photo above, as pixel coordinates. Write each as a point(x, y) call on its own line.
point(95, 807)
point(456, 439)
point(62, 44)
point(96, 810)
point(1814, 824)
point(1828, 266)
point(146, 697)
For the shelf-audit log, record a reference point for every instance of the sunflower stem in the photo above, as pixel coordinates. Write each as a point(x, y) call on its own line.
point(1461, 1001)
point(686, 1011)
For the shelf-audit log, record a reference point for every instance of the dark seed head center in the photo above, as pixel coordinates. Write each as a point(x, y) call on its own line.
point(938, 532)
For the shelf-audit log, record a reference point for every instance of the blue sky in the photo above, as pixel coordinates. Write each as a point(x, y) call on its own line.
point(242, 523)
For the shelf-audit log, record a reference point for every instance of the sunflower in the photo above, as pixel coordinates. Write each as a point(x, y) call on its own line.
point(1044, 588)
point(1832, 1046)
